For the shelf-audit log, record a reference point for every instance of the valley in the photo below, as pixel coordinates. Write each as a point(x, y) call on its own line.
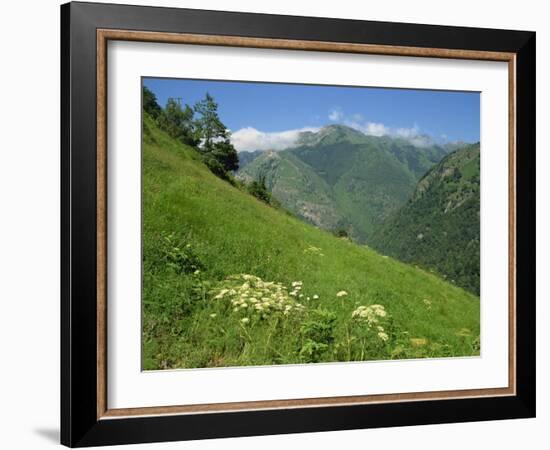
point(419, 204)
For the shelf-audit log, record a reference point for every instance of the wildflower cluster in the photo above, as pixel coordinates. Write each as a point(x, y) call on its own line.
point(372, 316)
point(251, 295)
point(296, 288)
point(314, 250)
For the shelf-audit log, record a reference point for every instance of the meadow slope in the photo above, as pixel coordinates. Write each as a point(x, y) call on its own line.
point(198, 230)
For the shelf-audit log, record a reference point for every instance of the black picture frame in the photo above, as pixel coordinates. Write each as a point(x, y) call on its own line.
point(80, 425)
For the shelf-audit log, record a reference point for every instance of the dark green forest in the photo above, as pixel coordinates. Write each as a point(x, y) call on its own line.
point(439, 227)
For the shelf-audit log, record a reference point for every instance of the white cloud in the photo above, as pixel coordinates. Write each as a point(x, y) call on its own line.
point(360, 123)
point(249, 139)
point(408, 133)
point(421, 140)
point(370, 128)
point(336, 115)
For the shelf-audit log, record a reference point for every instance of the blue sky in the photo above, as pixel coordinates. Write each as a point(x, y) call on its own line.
point(271, 114)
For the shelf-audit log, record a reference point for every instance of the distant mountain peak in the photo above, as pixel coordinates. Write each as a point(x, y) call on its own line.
point(454, 145)
point(338, 127)
point(331, 132)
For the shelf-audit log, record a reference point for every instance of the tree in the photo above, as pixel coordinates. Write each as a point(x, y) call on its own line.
point(209, 126)
point(214, 137)
point(226, 155)
point(259, 190)
point(178, 122)
point(150, 104)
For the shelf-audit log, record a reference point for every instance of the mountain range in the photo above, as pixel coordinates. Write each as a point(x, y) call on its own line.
point(418, 203)
point(342, 180)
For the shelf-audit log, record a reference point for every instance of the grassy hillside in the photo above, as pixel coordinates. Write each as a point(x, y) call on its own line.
point(201, 234)
point(439, 227)
point(340, 179)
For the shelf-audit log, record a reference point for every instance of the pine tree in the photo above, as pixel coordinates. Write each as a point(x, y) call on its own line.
point(214, 136)
point(209, 126)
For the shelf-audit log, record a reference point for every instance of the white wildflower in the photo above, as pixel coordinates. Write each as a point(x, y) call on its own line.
point(313, 250)
point(369, 314)
point(341, 294)
point(245, 320)
point(261, 297)
point(383, 336)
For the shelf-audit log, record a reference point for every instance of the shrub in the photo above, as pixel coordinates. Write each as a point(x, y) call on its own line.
point(178, 254)
point(317, 334)
point(312, 351)
point(341, 233)
point(259, 190)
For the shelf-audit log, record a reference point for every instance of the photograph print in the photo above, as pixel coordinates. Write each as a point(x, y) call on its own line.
point(294, 224)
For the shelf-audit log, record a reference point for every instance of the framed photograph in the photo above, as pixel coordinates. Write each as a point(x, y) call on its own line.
point(276, 224)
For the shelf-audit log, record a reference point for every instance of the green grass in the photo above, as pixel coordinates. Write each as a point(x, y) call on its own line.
point(198, 230)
